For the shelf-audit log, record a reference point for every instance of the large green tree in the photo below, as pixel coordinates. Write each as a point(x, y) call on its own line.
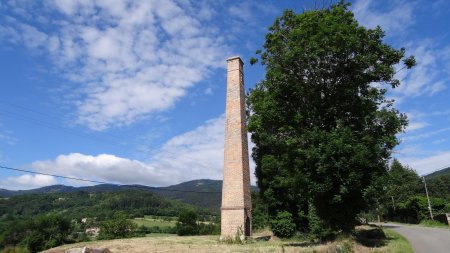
point(320, 120)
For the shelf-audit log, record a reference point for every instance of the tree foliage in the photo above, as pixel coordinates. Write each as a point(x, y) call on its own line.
point(403, 197)
point(117, 227)
point(402, 182)
point(260, 217)
point(283, 225)
point(323, 131)
point(37, 234)
point(187, 222)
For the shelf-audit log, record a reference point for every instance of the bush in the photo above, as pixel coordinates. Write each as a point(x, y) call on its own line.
point(118, 227)
point(208, 229)
point(187, 222)
point(283, 225)
point(433, 223)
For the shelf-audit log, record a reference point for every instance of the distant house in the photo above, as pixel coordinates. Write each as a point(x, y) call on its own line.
point(84, 220)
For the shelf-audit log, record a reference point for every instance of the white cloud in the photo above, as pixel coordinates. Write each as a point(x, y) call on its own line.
point(131, 58)
point(394, 21)
point(427, 77)
point(192, 155)
point(429, 164)
point(27, 181)
point(103, 167)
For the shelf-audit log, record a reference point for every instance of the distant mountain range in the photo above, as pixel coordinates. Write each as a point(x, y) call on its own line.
point(203, 192)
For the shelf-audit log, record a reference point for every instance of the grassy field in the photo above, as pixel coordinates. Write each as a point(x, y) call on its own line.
point(152, 222)
point(363, 242)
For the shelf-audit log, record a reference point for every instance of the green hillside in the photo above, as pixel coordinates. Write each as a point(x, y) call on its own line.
point(438, 173)
point(136, 203)
point(439, 184)
point(30, 220)
point(205, 193)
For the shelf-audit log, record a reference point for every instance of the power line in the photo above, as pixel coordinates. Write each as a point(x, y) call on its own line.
point(102, 182)
point(118, 145)
point(29, 109)
point(50, 116)
point(55, 127)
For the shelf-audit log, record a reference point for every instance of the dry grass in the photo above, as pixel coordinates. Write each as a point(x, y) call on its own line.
point(203, 244)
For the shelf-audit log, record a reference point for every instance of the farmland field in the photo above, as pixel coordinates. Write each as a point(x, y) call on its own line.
point(153, 222)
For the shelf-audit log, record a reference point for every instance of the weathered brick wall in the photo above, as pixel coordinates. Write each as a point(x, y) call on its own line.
point(236, 198)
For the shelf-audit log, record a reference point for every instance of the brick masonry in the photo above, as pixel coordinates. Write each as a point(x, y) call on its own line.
point(236, 197)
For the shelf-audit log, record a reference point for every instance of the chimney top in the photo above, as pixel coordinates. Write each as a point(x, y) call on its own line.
point(234, 58)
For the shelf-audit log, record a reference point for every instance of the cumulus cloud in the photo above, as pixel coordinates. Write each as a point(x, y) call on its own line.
point(131, 58)
point(27, 181)
point(192, 155)
point(103, 167)
point(394, 20)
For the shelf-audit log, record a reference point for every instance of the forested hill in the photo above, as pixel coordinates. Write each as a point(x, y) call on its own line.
point(205, 185)
point(439, 183)
point(443, 172)
point(133, 202)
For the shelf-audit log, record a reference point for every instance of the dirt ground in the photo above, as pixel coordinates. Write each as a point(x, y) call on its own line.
point(197, 244)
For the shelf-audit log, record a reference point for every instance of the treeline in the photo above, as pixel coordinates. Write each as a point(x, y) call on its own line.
point(402, 196)
point(32, 223)
point(34, 234)
point(397, 196)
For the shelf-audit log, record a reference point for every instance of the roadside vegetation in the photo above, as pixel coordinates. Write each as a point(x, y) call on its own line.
point(397, 243)
point(404, 199)
point(433, 224)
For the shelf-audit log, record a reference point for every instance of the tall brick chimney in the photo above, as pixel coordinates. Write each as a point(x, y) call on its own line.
point(236, 198)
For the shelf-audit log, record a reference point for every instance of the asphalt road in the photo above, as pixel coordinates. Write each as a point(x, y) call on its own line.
point(424, 239)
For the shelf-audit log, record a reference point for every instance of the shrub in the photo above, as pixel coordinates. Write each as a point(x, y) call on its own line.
point(187, 222)
point(283, 225)
point(118, 227)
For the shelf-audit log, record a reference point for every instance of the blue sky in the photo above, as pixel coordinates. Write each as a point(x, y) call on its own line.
point(133, 92)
